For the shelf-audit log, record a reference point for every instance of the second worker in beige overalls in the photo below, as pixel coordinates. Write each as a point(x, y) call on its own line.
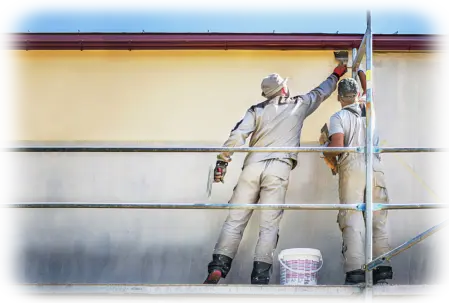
point(347, 128)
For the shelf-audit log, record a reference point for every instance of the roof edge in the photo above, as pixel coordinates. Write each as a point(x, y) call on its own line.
point(219, 41)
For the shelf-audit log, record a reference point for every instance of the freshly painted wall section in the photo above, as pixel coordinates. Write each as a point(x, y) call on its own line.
point(146, 95)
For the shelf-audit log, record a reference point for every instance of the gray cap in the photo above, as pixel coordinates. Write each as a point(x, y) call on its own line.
point(272, 84)
point(348, 89)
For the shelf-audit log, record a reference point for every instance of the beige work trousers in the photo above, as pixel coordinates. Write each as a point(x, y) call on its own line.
point(265, 182)
point(352, 183)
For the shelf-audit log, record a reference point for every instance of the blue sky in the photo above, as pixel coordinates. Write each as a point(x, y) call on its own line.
point(291, 21)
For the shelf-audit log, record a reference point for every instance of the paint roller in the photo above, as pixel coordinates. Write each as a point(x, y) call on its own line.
point(342, 57)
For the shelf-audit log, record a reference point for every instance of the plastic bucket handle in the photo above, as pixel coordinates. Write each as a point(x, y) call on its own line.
point(300, 272)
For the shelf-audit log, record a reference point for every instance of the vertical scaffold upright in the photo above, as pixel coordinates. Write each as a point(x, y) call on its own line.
point(366, 49)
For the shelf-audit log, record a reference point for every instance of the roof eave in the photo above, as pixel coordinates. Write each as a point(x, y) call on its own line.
point(217, 41)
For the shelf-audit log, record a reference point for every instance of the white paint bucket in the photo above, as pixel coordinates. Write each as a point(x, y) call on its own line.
point(300, 266)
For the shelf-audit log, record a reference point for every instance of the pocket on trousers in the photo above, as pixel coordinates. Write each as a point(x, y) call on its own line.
point(341, 219)
point(281, 170)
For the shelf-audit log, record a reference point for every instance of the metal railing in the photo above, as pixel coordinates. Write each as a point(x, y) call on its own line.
point(140, 149)
point(368, 207)
point(143, 205)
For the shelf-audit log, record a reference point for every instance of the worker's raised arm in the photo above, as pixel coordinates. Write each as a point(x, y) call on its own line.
point(239, 134)
point(362, 78)
point(362, 99)
point(320, 93)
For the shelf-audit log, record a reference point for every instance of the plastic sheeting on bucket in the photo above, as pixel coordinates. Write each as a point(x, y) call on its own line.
point(300, 266)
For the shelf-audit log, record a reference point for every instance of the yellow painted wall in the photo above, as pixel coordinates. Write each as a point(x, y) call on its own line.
point(155, 95)
point(199, 96)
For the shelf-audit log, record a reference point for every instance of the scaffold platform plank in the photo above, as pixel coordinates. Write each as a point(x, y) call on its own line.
point(87, 293)
point(130, 293)
point(410, 293)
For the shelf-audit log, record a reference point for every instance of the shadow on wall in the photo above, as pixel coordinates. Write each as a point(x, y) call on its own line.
point(154, 265)
point(174, 246)
point(130, 257)
point(104, 260)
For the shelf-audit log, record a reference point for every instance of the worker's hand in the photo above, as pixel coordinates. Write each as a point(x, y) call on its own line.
point(340, 70)
point(220, 171)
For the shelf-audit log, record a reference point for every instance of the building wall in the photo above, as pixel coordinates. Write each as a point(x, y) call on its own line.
point(154, 95)
point(188, 98)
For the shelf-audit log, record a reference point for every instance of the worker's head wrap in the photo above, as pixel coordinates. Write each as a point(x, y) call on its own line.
point(272, 84)
point(348, 90)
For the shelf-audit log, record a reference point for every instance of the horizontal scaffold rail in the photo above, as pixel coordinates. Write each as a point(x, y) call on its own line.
point(410, 150)
point(379, 206)
point(179, 149)
point(183, 206)
point(359, 207)
point(142, 149)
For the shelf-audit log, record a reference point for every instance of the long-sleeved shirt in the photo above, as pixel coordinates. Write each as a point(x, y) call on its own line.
point(277, 122)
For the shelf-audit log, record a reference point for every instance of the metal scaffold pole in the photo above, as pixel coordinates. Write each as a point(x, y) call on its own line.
point(148, 205)
point(403, 247)
point(211, 206)
point(370, 128)
point(149, 149)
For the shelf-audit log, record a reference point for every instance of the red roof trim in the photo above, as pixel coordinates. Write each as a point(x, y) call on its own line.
point(197, 41)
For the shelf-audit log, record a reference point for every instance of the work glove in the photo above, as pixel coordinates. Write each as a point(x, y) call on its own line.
point(220, 171)
point(323, 138)
point(340, 70)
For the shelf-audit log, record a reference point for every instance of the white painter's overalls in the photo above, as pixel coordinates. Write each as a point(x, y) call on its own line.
point(352, 184)
point(265, 176)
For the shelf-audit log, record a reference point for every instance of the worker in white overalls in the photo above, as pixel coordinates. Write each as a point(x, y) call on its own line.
point(347, 128)
point(276, 122)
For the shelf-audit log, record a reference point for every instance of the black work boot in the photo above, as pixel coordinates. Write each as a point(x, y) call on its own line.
point(381, 274)
point(218, 268)
point(261, 273)
point(355, 277)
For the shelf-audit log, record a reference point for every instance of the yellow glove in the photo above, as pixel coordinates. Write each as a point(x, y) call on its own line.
point(323, 138)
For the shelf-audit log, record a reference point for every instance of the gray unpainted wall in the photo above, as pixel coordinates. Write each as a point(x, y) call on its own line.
point(174, 246)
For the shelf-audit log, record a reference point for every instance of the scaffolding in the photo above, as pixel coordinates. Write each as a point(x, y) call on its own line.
point(368, 207)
